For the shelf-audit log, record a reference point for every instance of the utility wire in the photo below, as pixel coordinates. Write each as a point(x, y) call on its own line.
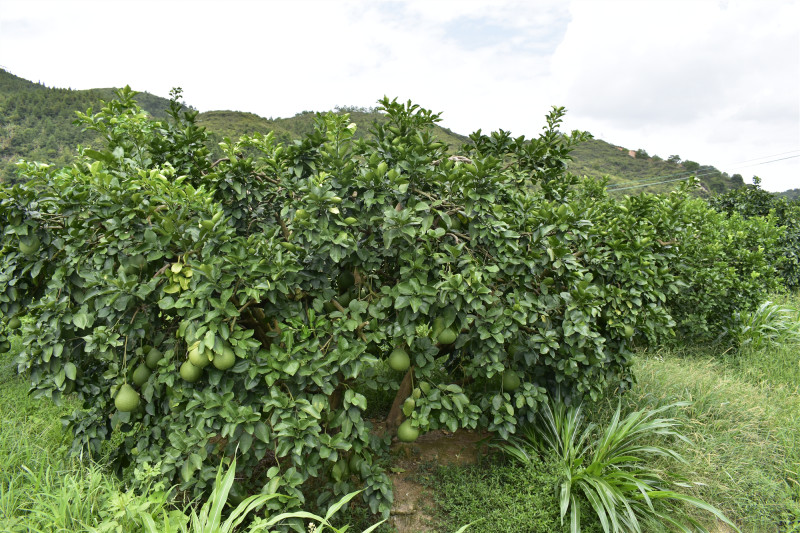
point(762, 157)
point(697, 175)
point(765, 162)
point(711, 167)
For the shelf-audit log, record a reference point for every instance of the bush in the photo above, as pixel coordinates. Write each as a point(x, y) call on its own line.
point(249, 300)
point(752, 201)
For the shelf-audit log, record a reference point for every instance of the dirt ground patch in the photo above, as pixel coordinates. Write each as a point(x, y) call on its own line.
point(411, 499)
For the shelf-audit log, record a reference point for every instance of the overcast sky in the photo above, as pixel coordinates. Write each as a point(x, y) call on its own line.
point(716, 82)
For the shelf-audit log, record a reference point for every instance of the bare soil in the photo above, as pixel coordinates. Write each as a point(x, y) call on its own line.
point(411, 499)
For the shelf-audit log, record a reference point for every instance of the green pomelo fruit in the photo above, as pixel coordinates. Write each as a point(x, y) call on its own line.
point(198, 357)
point(629, 331)
point(406, 432)
point(190, 373)
point(408, 406)
point(511, 381)
point(14, 323)
point(399, 360)
point(345, 280)
point(447, 336)
point(127, 399)
point(153, 357)
point(226, 359)
point(141, 375)
point(29, 246)
point(301, 215)
point(438, 326)
point(345, 299)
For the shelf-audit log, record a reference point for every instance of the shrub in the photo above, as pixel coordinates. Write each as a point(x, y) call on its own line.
point(752, 201)
point(264, 293)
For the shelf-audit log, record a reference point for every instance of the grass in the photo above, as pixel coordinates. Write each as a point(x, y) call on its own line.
point(501, 497)
point(745, 450)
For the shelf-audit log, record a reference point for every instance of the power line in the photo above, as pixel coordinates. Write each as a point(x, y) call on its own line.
point(762, 157)
point(774, 160)
point(648, 184)
point(697, 175)
point(682, 173)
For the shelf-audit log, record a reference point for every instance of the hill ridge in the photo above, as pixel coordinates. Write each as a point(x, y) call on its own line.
point(36, 124)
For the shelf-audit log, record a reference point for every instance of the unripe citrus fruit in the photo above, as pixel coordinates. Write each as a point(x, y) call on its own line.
point(438, 326)
point(141, 375)
point(198, 357)
point(628, 331)
point(190, 373)
point(345, 299)
point(399, 360)
point(406, 432)
point(226, 359)
point(29, 246)
point(14, 323)
point(511, 381)
point(447, 336)
point(153, 357)
point(301, 215)
point(127, 399)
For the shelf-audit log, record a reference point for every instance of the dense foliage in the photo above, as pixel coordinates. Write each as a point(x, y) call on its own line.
point(752, 201)
point(205, 309)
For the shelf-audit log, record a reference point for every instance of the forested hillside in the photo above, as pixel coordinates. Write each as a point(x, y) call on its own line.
point(36, 123)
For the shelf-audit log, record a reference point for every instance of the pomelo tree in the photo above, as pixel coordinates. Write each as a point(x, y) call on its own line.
point(204, 309)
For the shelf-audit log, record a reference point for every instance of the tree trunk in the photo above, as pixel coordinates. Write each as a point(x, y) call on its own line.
point(395, 417)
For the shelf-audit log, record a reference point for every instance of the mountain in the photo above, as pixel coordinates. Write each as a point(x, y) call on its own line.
point(36, 123)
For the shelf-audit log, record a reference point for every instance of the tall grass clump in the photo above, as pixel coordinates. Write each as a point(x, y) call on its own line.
point(744, 430)
point(608, 473)
point(771, 325)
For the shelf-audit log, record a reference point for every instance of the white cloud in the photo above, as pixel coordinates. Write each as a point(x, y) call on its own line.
point(712, 82)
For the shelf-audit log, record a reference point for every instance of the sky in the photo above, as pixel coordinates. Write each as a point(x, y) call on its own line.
point(712, 81)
